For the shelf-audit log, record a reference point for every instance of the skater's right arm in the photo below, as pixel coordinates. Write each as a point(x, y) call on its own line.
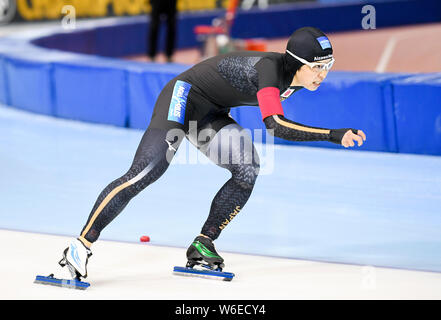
point(268, 97)
point(281, 127)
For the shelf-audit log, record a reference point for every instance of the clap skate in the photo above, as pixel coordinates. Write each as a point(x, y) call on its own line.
point(204, 261)
point(75, 258)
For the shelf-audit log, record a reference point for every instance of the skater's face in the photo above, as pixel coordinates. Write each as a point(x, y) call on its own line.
point(310, 78)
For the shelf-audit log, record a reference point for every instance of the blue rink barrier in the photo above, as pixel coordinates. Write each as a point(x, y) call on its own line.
point(418, 113)
point(83, 85)
point(29, 83)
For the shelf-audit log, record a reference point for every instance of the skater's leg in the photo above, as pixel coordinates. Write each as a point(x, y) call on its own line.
point(155, 151)
point(232, 149)
point(229, 147)
point(153, 156)
point(150, 162)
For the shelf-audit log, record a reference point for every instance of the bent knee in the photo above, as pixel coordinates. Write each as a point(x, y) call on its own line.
point(245, 174)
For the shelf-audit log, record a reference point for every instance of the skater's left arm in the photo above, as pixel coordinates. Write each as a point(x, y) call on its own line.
point(277, 124)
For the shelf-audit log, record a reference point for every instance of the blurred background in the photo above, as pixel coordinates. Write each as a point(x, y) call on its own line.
point(79, 80)
point(385, 50)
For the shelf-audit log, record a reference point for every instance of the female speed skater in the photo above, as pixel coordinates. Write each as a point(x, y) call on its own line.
point(204, 95)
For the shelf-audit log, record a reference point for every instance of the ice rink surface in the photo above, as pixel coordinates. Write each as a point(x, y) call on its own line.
point(320, 224)
point(142, 271)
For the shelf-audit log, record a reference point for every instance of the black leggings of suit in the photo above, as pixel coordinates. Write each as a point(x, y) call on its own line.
point(216, 134)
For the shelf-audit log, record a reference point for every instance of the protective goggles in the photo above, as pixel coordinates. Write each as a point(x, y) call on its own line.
point(316, 66)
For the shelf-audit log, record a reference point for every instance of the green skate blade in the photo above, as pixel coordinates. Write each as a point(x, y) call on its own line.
point(64, 283)
point(207, 274)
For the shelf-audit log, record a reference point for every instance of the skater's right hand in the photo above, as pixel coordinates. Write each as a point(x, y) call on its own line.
point(346, 137)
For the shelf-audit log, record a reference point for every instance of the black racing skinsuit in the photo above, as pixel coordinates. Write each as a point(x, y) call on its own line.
point(204, 93)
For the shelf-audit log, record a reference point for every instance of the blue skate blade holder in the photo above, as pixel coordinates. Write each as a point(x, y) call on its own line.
point(186, 271)
point(65, 283)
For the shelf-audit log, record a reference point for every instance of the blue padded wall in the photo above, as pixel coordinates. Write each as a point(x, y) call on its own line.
point(29, 85)
point(418, 113)
point(90, 92)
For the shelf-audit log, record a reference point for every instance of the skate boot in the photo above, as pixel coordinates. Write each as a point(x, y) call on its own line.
point(75, 257)
point(202, 252)
point(207, 262)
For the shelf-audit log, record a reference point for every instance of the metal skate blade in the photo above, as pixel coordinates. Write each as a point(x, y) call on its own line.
point(65, 283)
point(207, 274)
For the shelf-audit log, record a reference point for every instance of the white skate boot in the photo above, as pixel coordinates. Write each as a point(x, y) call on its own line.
point(75, 257)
